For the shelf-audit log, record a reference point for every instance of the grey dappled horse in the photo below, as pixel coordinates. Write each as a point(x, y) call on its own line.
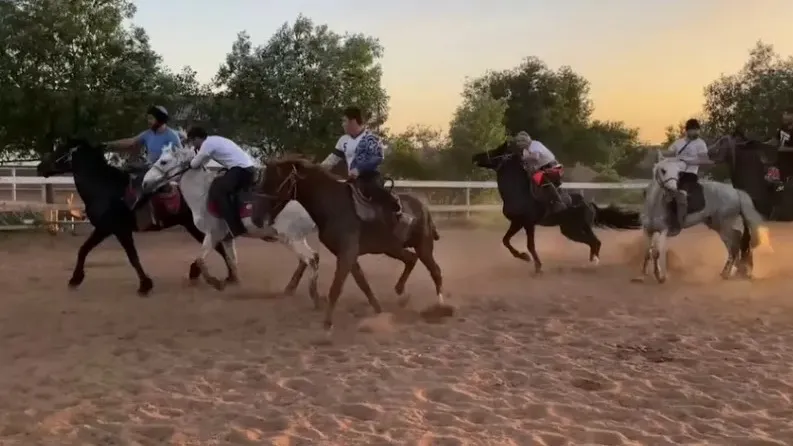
point(726, 210)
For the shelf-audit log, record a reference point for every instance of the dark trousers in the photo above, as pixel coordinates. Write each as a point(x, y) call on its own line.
point(372, 185)
point(223, 192)
point(686, 180)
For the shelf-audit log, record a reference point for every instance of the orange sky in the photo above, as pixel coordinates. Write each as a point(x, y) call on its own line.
point(648, 61)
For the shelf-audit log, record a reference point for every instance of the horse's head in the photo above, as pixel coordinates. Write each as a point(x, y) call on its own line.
point(277, 184)
point(64, 156)
point(494, 158)
point(168, 167)
point(666, 172)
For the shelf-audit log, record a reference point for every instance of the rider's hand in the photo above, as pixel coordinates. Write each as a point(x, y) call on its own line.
point(353, 174)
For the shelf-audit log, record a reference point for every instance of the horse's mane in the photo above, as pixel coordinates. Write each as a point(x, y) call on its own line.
point(303, 162)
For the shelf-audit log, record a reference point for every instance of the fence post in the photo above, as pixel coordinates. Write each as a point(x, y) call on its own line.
point(44, 192)
point(468, 201)
point(14, 184)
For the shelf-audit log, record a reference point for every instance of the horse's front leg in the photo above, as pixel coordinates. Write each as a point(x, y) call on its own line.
point(646, 261)
point(659, 255)
point(513, 229)
point(93, 240)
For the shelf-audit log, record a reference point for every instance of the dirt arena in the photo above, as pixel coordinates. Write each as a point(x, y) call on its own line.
point(577, 356)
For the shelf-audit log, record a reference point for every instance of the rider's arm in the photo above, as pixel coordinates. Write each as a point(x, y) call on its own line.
point(203, 156)
point(126, 144)
point(334, 157)
point(701, 153)
point(368, 154)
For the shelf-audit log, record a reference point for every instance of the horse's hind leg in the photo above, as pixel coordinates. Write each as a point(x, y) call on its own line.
point(308, 258)
point(514, 227)
point(229, 253)
point(731, 237)
point(90, 243)
point(746, 261)
point(427, 258)
point(363, 284)
point(128, 243)
point(581, 232)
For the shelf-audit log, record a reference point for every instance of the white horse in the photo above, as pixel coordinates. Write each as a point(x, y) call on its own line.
point(291, 225)
point(727, 210)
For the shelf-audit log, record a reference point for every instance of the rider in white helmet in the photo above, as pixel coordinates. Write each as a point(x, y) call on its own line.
point(545, 170)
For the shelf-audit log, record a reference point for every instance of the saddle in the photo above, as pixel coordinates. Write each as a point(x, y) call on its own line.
point(151, 212)
point(242, 200)
point(365, 207)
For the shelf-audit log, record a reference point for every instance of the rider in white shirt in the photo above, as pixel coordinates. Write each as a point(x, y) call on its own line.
point(693, 151)
point(540, 162)
point(239, 175)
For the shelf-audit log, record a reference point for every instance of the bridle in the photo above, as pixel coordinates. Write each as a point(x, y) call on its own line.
point(663, 182)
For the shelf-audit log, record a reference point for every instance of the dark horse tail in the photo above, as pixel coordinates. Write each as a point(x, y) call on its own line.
point(615, 217)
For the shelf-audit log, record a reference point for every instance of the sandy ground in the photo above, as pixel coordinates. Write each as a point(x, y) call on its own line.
point(577, 356)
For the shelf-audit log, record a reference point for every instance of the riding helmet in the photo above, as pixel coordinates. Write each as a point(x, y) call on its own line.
point(692, 124)
point(159, 112)
point(196, 132)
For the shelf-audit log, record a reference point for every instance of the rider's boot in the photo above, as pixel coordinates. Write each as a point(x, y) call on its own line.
point(556, 200)
point(681, 202)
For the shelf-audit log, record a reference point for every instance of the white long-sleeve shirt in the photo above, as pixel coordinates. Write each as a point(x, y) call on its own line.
point(689, 151)
point(224, 151)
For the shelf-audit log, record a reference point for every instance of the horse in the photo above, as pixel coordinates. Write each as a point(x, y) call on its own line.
point(350, 226)
point(525, 210)
point(104, 190)
point(721, 207)
point(748, 161)
point(292, 224)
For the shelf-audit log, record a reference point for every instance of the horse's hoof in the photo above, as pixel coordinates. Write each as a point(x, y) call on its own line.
point(399, 289)
point(538, 272)
point(232, 280)
point(289, 291)
point(403, 301)
point(145, 287)
point(76, 280)
point(595, 261)
point(216, 283)
point(523, 256)
point(195, 271)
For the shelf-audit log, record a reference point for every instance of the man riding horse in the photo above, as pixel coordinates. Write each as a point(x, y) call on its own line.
point(152, 141)
point(362, 150)
point(693, 151)
point(545, 171)
point(782, 139)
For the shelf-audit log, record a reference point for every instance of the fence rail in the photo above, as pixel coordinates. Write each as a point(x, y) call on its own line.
point(24, 185)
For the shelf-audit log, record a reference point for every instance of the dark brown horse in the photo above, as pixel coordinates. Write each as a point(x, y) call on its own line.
point(330, 202)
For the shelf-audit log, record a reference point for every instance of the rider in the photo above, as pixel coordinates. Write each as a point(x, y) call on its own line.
point(363, 152)
point(783, 140)
point(693, 151)
point(540, 161)
point(239, 175)
point(154, 139)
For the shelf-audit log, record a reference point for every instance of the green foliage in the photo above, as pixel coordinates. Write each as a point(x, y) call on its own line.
point(288, 94)
point(752, 99)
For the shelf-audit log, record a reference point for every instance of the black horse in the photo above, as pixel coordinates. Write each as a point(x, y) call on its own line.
point(103, 189)
point(525, 210)
point(749, 163)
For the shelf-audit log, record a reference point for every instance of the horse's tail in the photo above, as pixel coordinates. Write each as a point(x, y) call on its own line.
point(755, 221)
point(614, 217)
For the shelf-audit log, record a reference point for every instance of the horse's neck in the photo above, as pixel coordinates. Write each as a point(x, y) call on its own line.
point(194, 185)
point(316, 197)
point(655, 203)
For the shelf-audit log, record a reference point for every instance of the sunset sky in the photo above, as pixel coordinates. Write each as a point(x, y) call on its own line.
point(647, 60)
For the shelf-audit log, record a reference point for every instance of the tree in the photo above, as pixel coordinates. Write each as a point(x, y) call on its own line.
point(71, 67)
point(414, 154)
point(752, 99)
point(289, 93)
point(477, 125)
point(555, 108)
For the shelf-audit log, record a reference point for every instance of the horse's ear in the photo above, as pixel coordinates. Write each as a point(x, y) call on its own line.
point(659, 156)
